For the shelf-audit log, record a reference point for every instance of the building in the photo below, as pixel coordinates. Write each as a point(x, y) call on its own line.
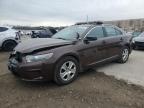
point(127, 25)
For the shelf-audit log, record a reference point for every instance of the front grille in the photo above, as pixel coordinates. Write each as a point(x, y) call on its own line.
point(18, 56)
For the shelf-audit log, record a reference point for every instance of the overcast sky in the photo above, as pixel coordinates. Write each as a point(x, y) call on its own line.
point(66, 12)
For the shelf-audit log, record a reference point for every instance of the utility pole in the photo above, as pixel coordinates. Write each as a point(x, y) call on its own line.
point(87, 19)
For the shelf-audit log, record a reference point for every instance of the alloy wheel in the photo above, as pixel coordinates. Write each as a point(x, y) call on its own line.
point(67, 70)
point(125, 54)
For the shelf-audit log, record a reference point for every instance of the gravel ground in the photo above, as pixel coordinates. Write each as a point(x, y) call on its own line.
point(3, 62)
point(92, 89)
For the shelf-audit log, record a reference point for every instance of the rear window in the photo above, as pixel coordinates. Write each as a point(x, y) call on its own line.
point(118, 32)
point(111, 31)
point(2, 29)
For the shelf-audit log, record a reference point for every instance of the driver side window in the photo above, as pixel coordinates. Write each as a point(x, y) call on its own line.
point(95, 33)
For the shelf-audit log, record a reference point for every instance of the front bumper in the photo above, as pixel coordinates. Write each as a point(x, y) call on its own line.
point(138, 44)
point(31, 72)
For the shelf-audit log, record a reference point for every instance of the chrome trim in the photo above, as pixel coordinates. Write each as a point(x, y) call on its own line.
point(90, 31)
point(104, 60)
point(40, 78)
point(115, 27)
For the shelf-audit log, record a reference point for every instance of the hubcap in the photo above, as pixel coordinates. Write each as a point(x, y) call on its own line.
point(67, 70)
point(125, 54)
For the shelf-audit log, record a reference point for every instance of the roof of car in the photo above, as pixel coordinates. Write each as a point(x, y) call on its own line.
point(6, 26)
point(98, 23)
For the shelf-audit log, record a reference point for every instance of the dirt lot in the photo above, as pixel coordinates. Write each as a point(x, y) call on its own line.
point(92, 89)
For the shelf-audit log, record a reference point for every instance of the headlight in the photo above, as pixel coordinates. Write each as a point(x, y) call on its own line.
point(133, 41)
point(14, 52)
point(36, 58)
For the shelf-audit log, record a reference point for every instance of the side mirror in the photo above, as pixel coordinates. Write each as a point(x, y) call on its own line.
point(91, 38)
point(77, 35)
point(88, 39)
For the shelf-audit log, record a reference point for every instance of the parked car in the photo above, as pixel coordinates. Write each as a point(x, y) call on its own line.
point(8, 38)
point(47, 33)
point(136, 33)
point(138, 42)
point(68, 52)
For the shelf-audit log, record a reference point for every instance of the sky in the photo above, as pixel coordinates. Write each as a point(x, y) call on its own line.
point(67, 12)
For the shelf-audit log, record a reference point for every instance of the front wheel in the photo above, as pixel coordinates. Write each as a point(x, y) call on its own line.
point(66, 70)
point(124, 55)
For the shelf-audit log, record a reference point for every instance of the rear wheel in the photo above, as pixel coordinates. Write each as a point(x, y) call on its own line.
point(124, 55)
point(66, 70)
point(9, 45)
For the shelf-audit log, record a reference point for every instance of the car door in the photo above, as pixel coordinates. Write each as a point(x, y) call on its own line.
point(93, 47)
point(113, 40)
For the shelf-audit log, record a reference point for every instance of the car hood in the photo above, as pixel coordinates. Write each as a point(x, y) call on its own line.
point(31, 45)
point(139, 39)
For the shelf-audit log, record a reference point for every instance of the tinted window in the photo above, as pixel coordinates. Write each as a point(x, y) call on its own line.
point(46, 32)
point(2, 29)
point(118, 32)
point(53, 30)
point(96, 32)
point(112, 31)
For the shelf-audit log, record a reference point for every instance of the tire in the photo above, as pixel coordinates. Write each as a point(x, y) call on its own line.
point(124, 56)
point(9, 45)
point(63, 73)
point(135, 47)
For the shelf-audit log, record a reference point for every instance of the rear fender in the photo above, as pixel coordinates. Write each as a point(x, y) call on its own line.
point(6, 39)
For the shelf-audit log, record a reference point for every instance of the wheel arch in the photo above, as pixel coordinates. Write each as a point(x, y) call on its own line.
point(69, 54)
point(129, 46)
point(8, 40)
point(75, 56)
point(57, 79)
point(2, 45)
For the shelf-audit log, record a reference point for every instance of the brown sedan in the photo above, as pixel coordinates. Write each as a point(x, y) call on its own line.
point(69, 52)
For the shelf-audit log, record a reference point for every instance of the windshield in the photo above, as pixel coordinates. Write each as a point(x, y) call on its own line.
point(70, 33)
point(135, 34)
point(142, 34)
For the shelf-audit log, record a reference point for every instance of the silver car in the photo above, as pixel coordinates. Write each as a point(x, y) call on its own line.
point(8, 38)
point(138, 42)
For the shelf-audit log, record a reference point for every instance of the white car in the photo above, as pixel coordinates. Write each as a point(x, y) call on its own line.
point(138, 42)
point(8, 38)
